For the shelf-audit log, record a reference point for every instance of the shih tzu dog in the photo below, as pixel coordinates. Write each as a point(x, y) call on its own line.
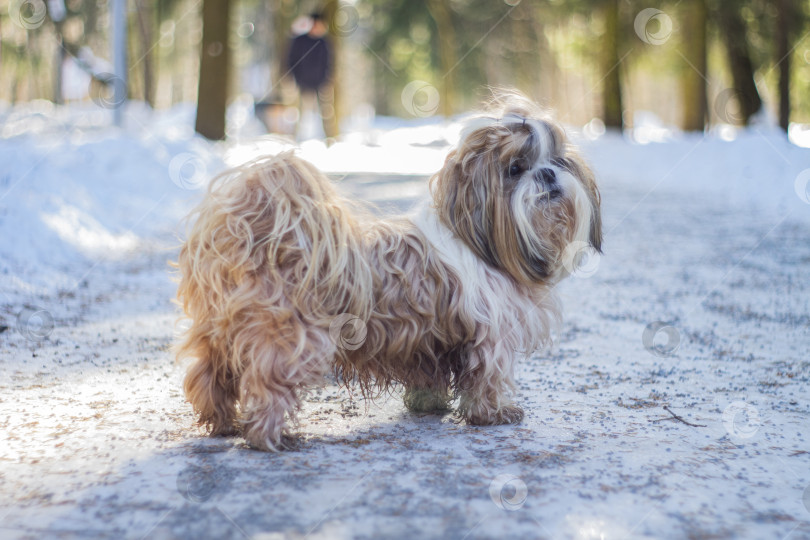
point(283, 280)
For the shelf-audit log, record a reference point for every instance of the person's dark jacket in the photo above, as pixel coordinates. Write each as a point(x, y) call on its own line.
point(310, 61)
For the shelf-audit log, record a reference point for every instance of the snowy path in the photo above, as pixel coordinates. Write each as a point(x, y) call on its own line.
point(99, 442)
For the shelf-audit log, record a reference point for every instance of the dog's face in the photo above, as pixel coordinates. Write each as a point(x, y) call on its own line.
point(517, 193)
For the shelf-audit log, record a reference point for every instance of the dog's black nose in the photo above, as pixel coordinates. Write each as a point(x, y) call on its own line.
point(546, 175)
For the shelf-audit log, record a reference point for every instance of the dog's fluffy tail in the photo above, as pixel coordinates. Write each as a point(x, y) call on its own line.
point(264, 266)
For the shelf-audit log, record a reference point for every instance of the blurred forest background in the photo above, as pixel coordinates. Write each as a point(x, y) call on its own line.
point(693, 63)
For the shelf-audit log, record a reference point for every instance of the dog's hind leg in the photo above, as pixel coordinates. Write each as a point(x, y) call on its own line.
point(280, 367)
point(212, 391)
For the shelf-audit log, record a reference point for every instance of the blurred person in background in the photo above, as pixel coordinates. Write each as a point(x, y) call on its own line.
point(310, 60)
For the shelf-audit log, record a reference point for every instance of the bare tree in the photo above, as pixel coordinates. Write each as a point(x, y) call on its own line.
point(443, 16)
point(214, 65)
point(693, 72)
point(783, 40)
point(733, 33)
point(611, 84)
point(145, 32)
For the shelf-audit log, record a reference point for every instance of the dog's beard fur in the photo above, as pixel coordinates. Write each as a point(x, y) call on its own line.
point(448, 299)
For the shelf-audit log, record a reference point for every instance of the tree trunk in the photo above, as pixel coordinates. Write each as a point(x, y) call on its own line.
point(59, 62)
point(282, 12)
point(212, 93)
point(440, 12)
point(120, 59)
point(783, 54)
point(693, 71)
point(145, 25)
point(331, 92)
point(733, 31)
point(611, 87)
point(90, 10)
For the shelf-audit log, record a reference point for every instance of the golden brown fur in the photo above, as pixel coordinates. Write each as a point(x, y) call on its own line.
point(276, 263)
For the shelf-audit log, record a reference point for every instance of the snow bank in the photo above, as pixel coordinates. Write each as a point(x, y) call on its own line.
point(74, 192)
point(759, 171)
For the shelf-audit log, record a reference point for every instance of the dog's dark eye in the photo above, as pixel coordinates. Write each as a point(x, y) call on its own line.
point(515, 169)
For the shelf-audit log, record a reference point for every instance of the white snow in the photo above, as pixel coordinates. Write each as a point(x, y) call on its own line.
point(705, 234)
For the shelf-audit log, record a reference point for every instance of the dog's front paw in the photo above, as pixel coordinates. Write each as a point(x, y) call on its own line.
point(509, 414)
point(423, 400)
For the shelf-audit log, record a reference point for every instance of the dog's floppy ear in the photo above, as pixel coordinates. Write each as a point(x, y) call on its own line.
point(595, 233)
point(461, 191)
point(596, 213)
point(579, 168)
point(596, 226)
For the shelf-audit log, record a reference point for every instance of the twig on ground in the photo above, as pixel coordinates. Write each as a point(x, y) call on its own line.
point(676, 417)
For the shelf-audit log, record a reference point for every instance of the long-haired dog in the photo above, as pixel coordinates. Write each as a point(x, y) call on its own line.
point(284, 280)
